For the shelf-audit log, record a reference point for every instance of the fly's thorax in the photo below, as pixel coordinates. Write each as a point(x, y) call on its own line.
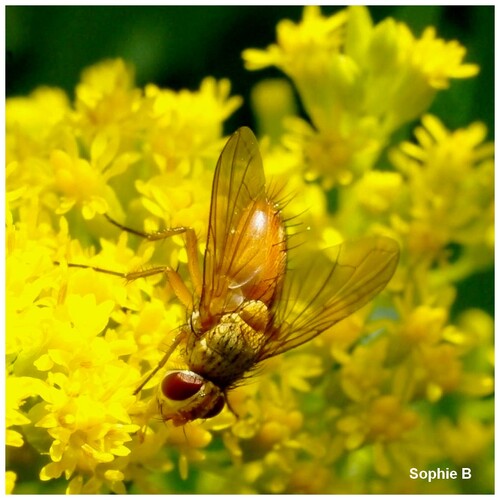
point(226, 351)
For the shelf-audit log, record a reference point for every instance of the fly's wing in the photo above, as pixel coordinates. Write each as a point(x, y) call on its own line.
point(238, 182)
point(328, 289)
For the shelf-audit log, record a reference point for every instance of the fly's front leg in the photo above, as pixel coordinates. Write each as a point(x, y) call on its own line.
point(180, 290)
point(230, 408)
point(178, 338)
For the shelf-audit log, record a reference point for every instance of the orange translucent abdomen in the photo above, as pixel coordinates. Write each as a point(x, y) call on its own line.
point(254, 263)
point(261, 254)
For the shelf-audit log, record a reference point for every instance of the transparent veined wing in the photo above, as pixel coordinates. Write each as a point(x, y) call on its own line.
point(237, 193)
point(329, 288)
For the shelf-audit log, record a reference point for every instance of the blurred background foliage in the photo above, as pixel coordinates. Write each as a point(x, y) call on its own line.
point(177, 46)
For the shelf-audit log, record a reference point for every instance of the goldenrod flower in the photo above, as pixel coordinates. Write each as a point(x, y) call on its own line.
point(358, 83)
point(448, 178)
point(400, 384)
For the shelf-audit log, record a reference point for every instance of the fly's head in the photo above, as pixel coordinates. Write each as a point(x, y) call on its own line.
point(184, 395)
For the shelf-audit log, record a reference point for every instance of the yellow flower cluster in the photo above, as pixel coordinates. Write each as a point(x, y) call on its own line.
point(404, 383)
point(358, 83)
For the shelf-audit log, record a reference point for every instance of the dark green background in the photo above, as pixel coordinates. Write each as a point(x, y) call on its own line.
point(176, 47)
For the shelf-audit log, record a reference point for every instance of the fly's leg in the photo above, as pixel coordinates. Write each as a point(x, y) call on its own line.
point(176, 282)
point(158, 235)
point(191, 249)
point(180, 289)
point(178, 338)
point(230, 408)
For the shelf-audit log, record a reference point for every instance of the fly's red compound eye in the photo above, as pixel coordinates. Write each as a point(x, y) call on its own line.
point(179, 386)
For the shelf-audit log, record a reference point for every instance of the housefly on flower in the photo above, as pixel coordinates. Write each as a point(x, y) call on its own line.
point(248, 308)
point(244, 313)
